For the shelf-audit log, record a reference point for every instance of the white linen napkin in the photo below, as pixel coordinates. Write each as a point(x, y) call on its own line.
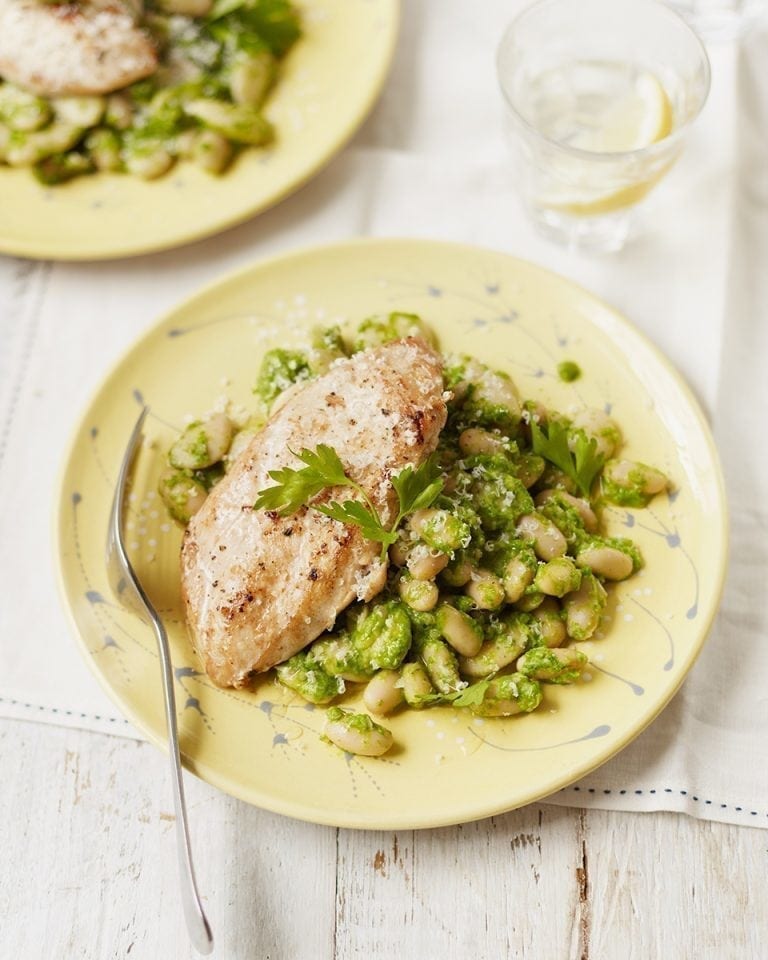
point(431, 162)
point(706, 754)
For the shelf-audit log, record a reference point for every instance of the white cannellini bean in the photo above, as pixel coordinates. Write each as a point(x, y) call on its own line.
point(420, 595)
point(548, 542)
point(583, 609)
point(424, 564)
point(210, 150)
point(517, 576)
point(494, 655)
point(398, 552)
point(218, 429)
point(149, 165)
point(371, 743)
point(606, 561)
point(459, 631)
point(629, 474)
point(384, 692)
point(558, 577)
point(457, 574)
point(475, 440)
point(597, 424)
point(499, 391)
point(119, 111)
point(565, 657)
point(582, 507)
point(55, 138)
point(550, 622)
point(486, 590)
point(202, 443)
point(416, 684)
point(251, 77)
point(419, 518)
point(80, 111)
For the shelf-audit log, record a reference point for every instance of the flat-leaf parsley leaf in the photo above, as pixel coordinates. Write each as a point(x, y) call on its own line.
point(582, 463)
point(470, 696)
point(416, 489)
point(295, 487)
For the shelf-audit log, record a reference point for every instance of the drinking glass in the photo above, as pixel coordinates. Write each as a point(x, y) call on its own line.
point(600, 97)
point(717, 20)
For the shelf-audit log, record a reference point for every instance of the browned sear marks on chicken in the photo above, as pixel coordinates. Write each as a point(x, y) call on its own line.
point(258, 587)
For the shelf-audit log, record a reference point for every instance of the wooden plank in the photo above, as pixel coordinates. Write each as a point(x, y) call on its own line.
point(89, 872)
point(479, 890)
point(89, 866)
point(667, 885)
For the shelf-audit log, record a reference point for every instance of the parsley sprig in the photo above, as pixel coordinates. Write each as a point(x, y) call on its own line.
point(582, 463)
point(470, 696)
point(416, 489)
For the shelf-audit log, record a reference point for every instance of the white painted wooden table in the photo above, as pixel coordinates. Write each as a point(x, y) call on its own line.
point(89, 873)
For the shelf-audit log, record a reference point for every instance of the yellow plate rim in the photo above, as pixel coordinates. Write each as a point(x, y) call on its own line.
point(459, 813)
point(45, 250)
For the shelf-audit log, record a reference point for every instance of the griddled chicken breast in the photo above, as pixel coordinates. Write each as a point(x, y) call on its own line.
point(259, 587)
point(58, 49)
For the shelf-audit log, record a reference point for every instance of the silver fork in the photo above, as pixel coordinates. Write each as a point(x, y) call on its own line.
point(129, 592)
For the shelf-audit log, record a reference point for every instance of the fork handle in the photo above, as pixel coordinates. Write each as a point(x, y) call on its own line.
point(197, 923)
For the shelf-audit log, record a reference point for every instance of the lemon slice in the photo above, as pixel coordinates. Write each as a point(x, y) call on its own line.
point(617, 200)
point(641, 116)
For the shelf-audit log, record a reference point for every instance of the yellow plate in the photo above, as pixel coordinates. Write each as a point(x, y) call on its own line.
point(328, 84)
point(263, 745)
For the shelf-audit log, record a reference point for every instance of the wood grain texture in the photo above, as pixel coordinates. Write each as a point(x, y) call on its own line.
point(89, 873)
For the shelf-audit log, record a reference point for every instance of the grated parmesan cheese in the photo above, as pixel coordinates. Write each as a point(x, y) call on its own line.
point(60, 50)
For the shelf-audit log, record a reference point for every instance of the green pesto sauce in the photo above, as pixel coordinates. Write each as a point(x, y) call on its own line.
point(478, 412)
point(329, 338)
point(568, 371)
point(336, 655)
point(446, 532)
point(624, 496)
point(498, 496)
point(544, 664)
point(279, 370)
point(379, 639)
point(516, 687)
point(308, 678)
point(630, 548)
point(565, 517)
point(360, 722)
point(154, 122)
point(474, 522)
point(197, 443)
point(383, 638)
point(377, 330)
point(176, 491)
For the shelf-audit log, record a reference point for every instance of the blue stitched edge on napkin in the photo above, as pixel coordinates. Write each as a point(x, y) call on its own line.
point(683, 793)
point(63, 712)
